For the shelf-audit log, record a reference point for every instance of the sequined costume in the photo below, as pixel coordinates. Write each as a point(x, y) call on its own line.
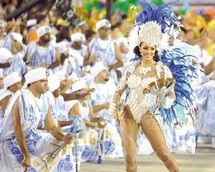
point(138, 102)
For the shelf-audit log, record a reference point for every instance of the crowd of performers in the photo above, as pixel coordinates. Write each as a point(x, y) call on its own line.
point(82, 96)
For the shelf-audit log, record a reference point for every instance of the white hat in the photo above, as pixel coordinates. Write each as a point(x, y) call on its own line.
point(78, 85)
point(101, 23)
point(63, 47)
point(77, 37)
point(69, 104)
point(31, 22)
point(97, 68)
point(5, 55)
point(11, 79)
point(73, 76)
point(53, 82)
point(43, 30)
point(16, 36)
point(61, 74)
point(35, 75)
point(82, 22)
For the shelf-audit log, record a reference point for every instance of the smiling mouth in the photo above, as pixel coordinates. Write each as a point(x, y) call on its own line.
point(148, 56)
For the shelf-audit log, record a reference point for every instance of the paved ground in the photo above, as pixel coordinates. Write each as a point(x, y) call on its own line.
point(202, 161)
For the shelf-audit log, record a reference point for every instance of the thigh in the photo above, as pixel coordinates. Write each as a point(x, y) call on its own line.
point(128, 126)
point(153, 132)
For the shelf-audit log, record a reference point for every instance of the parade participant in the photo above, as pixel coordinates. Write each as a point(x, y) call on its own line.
point(74, 126)
point(64, 54)
point(89, 34)
point(205, 97)
point(6, 28)
point(12, 83)
point(64, 31)
point(11, 62)
point(149, 83)
point(76, 54)
point(103, 48)
point(83, 25)
point(22, 144)
point(137, 77)
point(41, 20)
point(4, 38)
point(104, 90)
point(18, 65)
point(83, 109)
point(5, 60)
point(42, 53)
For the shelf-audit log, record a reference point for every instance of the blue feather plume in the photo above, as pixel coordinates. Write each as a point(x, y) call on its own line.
point(163, 15)
point(180, 64)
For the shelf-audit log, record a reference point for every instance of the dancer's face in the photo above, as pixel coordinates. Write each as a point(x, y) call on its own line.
point(147, 52)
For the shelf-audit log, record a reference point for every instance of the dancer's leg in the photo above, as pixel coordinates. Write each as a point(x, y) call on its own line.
point(129, 129)
point(155, 136)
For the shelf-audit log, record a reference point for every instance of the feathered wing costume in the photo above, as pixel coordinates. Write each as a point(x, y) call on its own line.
point(179, 61)
point(177, 57)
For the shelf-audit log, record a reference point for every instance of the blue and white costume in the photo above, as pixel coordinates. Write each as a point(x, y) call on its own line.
point(58, 112)
point(101, 95)
point(40, 56)
point(39, 144)
point(6, 42)
point(106, 53)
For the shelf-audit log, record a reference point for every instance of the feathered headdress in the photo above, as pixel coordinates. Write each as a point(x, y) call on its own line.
point(161, 19)
point(150, 33)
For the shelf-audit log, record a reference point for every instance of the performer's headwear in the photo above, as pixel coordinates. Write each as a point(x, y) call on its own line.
point(152, 22)
point(11, 79)
point(36, 75)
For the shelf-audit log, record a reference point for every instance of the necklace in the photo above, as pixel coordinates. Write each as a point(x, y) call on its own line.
point(38, 104)
point(144, 70)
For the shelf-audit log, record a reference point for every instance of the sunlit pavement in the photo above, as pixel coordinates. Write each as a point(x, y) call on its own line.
point(202, 161)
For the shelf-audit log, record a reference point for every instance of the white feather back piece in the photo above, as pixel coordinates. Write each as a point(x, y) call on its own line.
point(164, 43)
point(133, 37)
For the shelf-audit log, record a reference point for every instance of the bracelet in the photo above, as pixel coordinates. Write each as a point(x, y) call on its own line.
point(96, 125)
